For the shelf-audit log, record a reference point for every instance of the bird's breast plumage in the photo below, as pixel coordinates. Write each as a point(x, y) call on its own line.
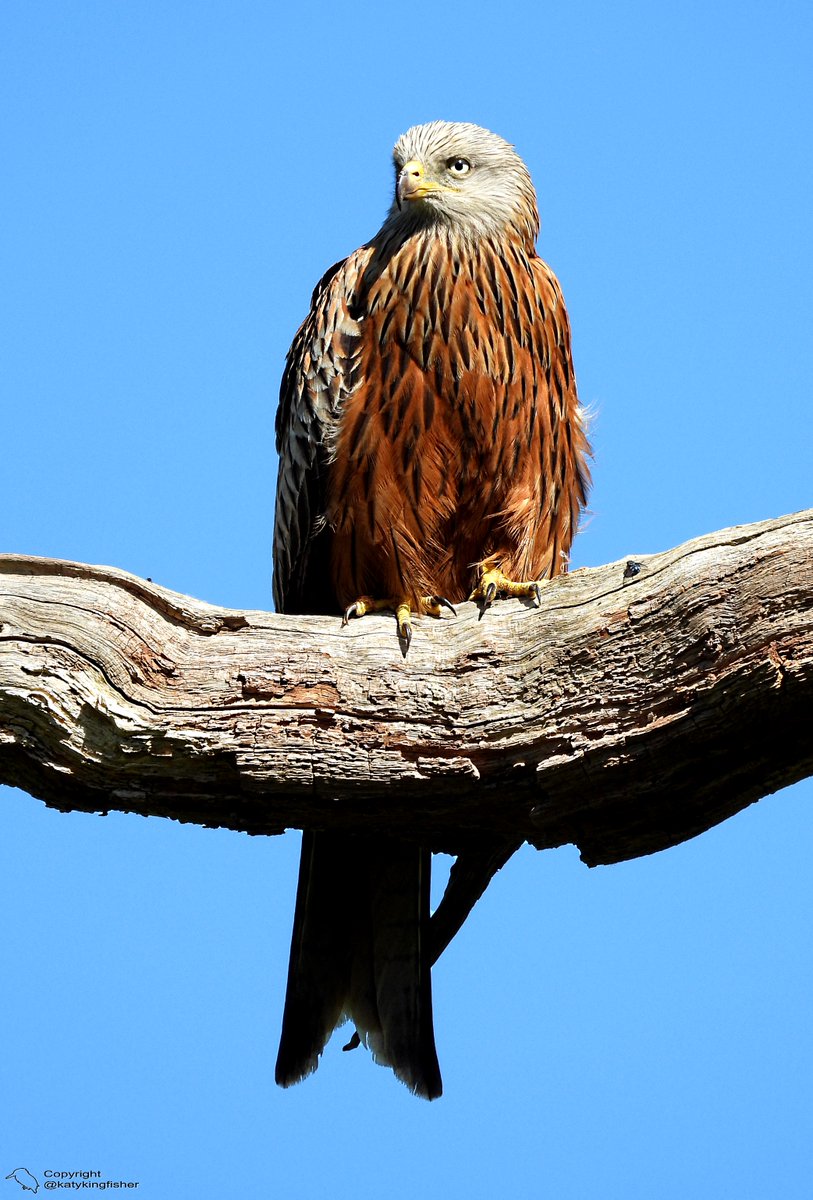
point(450, 448)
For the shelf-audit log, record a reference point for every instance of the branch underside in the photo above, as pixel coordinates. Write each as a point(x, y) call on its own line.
point(625, 715)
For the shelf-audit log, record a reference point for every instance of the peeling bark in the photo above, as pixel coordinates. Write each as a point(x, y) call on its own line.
point(628, 714)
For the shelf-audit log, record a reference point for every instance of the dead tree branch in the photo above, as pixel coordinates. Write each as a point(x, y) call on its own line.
point(625, 716)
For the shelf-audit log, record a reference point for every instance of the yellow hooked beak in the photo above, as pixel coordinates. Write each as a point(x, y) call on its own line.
point(413, 184)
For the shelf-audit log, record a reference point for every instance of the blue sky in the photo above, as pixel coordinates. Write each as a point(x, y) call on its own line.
point(176, 177)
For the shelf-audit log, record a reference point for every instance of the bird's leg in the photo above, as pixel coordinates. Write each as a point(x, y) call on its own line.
point(492, 583)
point(433, 606)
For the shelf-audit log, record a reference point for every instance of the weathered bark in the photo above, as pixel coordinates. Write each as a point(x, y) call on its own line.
point(625, 716)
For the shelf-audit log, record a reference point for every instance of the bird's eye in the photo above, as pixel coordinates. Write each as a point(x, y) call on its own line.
point(459, 166)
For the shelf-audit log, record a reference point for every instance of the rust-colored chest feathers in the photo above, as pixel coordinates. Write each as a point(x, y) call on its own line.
point(460, 440)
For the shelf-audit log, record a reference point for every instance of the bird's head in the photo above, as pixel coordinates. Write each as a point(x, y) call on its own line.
point(464, 177)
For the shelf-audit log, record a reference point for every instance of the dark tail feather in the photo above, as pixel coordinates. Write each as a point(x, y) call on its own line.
point(405, 1040)
point(360, 946)
point(319, 966)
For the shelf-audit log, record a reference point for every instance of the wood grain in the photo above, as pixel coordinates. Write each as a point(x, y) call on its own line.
point(624, 716)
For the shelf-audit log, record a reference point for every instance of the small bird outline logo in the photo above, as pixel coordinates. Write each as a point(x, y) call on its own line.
point(27, 1181)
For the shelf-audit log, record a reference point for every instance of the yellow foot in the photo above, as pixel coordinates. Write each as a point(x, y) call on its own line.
point(432, 605)
point(493, 583)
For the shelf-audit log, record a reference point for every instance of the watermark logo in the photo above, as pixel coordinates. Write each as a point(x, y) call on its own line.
point(72, 1181)
point(27, 1181)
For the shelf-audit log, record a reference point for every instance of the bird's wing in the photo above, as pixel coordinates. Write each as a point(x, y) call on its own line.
point(564, 449)
point(321, 370)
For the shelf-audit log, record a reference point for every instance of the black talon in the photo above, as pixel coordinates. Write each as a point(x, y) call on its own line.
point(405, 634)
point(538, 595)
point(354, 1042)
point(491, 592)
point(442, 602)
point(352, 611)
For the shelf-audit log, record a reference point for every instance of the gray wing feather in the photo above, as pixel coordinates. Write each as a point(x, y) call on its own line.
point(321, 370)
